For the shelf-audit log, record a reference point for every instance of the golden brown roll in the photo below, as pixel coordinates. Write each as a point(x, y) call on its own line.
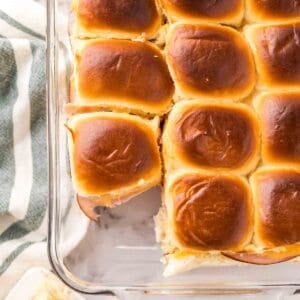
point(123, 75)
point(116, 18)
point(211, 137)
point(113, 156)
point(270, 10)
point(210, 61)
point(280, 123)
point(208, 211)
point(276, 193)
point(277, 53)
point(224, 11)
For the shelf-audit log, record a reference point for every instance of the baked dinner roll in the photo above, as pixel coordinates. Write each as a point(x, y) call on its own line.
point(210, 61)
point(272, 10)
point(123, 75)
point(208, 211)
point(280, 123)
point(123, 19)
point(113, 156)
point(277, 53)
point(276, 193)
point(223, 11)
point(211, 136)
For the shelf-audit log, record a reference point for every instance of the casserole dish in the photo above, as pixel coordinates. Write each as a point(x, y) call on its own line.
point(119, 253)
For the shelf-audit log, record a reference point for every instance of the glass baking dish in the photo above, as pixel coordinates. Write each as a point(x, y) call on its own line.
point(119, 254)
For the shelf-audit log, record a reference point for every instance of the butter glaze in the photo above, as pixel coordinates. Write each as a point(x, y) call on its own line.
point(125, 15)
point(123, 69)
point(206, 8)
point(270, 9)
point(210, 60)
point(279, 52)
point(280, 117)
point(112, 153)
point(278, 207)
point(212, 212)
point(215, 136)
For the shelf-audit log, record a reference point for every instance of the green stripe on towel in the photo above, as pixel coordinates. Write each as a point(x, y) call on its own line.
point(37, 93)
point(13, 255)
point(8, 96)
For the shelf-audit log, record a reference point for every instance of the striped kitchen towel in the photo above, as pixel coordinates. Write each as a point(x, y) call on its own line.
point(23, 165)
point(23, 153)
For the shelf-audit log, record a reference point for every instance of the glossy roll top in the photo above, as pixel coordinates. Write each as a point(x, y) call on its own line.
point(212, 136)
point(124, 74)
point(210, 61)
point(113, 153)
point(277, 201)
point(270, 10)
point(277, 52)
point(210, 212)
point(280, 122)
point(223, 11)
point(116, 18)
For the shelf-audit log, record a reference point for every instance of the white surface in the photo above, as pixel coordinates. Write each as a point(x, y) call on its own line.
point(38, 280)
